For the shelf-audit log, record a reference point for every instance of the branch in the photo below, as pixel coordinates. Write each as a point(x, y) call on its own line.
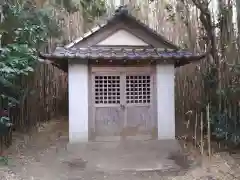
point(205, 17)
point(203, 7)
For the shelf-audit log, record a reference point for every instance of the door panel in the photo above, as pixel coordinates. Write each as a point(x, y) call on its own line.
point(139, 105)
point(138, 120)
point(123, 104)
point(109, 121)
point(108, 113)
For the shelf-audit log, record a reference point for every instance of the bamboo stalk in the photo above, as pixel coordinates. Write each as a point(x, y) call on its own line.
point(202, 143)
point(195, 130)
point(209, 132)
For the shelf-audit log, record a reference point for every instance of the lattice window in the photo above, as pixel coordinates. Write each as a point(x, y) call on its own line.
point(107, 89)
point(138, 89)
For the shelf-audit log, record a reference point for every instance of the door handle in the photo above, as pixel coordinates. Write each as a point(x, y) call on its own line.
point(122, 106)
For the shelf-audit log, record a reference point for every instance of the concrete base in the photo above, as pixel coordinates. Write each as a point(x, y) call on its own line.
point(78, 137)
point(128, 155)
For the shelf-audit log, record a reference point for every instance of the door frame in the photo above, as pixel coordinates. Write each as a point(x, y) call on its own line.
point(119, 70)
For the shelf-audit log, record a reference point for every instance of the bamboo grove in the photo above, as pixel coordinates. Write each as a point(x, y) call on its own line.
point(33, 92)
point(207, 92)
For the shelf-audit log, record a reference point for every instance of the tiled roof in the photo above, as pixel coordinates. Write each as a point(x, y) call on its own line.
point(61, 56)
point(124, 54)
point(117, 53)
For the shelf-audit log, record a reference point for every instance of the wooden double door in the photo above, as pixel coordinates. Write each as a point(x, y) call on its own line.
point(123, 103)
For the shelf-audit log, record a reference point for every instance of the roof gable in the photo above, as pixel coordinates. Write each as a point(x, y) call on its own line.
point(122, 20)
point(122, 38)
point(91, 48)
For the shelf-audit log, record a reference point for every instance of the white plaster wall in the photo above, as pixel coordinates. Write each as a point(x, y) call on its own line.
point(78, 102)
point(165, 101)
point(123, 37)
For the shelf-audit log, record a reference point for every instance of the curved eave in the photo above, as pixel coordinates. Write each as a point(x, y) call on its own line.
point(62, 61)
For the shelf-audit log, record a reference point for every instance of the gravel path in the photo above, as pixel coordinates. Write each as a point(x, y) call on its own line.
point(42, 157)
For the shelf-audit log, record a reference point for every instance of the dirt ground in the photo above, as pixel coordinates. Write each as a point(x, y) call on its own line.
point(43, 156)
